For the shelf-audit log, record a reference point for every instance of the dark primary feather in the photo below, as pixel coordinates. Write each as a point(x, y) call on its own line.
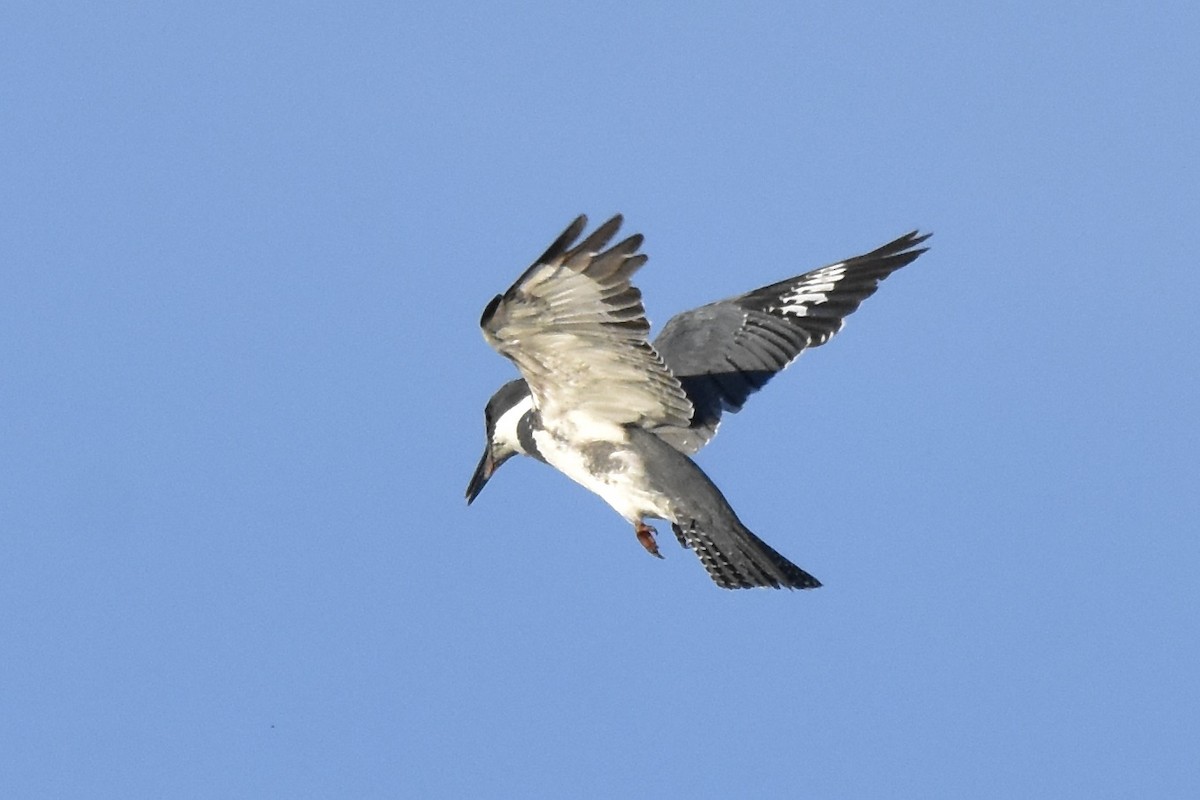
point(725, 351)
point(854, 279)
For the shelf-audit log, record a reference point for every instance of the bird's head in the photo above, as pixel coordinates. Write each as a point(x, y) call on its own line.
point(501, 416)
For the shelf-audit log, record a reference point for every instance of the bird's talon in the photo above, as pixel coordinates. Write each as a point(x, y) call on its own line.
point(645, 535)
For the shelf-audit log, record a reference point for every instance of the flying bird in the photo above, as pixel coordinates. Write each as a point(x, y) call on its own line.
point(622, 417)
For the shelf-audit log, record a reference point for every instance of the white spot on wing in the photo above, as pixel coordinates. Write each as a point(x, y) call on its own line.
point(812, 292)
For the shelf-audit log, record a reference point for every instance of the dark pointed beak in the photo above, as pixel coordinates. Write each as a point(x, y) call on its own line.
point(487, 465)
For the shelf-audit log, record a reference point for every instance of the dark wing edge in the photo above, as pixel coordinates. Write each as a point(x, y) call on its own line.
point(725, 351)
point(820, 300)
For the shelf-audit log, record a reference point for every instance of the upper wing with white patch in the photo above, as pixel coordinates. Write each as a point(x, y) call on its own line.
point(724, 352)
point(576, 330)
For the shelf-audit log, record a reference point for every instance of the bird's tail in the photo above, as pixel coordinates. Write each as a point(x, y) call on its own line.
point(737, 559)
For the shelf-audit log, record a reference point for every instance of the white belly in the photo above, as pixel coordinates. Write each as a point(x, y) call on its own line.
point(621, 483)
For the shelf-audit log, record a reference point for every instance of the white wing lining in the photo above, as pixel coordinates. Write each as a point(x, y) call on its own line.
point(576, 329)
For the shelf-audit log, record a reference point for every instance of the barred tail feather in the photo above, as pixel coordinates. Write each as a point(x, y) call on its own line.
point(737, 559)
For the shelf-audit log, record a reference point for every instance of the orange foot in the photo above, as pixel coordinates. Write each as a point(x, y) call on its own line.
point(645, 535)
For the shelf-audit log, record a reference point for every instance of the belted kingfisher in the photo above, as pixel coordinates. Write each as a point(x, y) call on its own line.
point(621, 417)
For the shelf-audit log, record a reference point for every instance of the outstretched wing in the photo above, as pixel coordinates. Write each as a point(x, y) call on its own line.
point(725, 351)
point(577, 331)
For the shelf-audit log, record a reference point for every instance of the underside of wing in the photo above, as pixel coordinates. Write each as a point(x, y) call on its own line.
point(724, 352)
point(577, 331)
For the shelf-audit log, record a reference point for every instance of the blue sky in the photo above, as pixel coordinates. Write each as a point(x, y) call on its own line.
point(244, 253)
